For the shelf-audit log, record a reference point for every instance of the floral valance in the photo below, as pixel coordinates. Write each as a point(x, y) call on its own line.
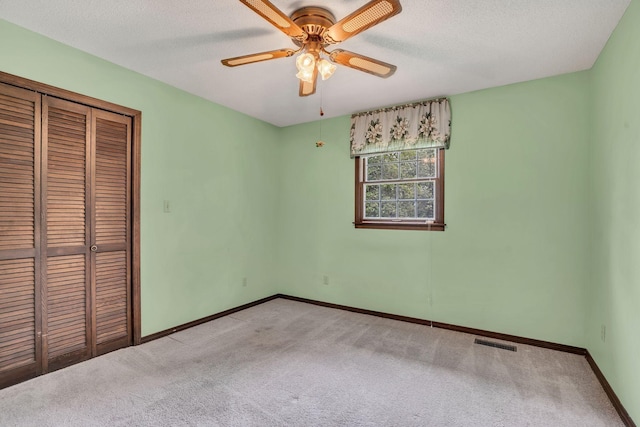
point(424, 124)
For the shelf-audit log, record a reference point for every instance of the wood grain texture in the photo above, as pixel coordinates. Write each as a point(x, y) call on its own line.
point(17, 170)
point(17, 314)
point(32, 85)
point(19, 225)
point(66, 304)
point(111, 233)
point(65, 291)
point(43, 192)
point(111, 296)
point(66, 142)
point(136, 155)
point(111, 181)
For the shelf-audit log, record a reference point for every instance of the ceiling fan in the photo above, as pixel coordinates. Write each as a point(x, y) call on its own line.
point(312, 29)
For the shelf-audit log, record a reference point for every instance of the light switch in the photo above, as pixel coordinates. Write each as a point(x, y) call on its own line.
point(166, 207)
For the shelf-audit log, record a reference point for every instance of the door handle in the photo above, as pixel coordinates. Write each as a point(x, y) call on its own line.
point(93, 248)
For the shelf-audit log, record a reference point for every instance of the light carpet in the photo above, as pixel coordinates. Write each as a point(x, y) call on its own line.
point(286, 363)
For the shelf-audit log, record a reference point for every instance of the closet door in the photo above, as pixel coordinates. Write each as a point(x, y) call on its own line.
point(19, 235)
point(66, 213)
point(65, 233)
point(110, 234)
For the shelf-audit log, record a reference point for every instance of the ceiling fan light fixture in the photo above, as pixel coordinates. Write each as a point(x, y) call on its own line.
point(305, 76)
point(306, 62)
point(326, 69)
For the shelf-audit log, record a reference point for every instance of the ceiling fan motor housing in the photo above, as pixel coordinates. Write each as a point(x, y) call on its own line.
point(314, 21)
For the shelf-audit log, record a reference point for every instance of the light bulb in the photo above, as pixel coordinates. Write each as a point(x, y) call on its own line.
point(305, 76)
point(326, 69)
point(305, 62)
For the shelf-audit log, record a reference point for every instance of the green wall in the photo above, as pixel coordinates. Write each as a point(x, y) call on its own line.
point(615, 206)
point(214, 165)
point(513, 257)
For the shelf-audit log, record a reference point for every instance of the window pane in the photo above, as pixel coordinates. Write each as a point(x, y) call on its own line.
point(374, 173)
point(390, 171)
point(407, 191)
point(390, 157)
point(388, 192)
point(372, 210)
point(425, 190)
point(372, 192)
point(388, 209)
point(408, 155)
point(426, 168)
point(406, 209)
point(374, 160)
point(408, 170)
point(427, 153)
point(427, 163)
point(426, 209)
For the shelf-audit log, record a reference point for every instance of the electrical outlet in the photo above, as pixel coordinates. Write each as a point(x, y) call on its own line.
point(244, 282)
point(603, 333)
point(325, 280)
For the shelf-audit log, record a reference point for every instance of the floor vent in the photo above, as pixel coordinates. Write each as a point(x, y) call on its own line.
point(496, 345)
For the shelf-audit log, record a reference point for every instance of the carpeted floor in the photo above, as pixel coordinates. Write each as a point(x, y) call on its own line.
point(285, 363)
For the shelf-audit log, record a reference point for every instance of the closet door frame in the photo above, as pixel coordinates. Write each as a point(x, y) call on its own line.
point(135, 162)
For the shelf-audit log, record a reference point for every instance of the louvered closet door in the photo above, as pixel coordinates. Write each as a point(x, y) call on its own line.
point(65, 233)
point(19, 234)
point(66, 128)
point(111, 231)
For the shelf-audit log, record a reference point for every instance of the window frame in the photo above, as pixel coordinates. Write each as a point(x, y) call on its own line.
point(437, 225)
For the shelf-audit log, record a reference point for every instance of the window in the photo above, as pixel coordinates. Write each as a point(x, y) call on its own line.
point(401, 190)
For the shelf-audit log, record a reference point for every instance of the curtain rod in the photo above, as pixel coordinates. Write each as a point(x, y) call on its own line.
point(397, 107)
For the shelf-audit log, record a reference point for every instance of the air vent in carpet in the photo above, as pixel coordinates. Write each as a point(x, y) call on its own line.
point(496, 345)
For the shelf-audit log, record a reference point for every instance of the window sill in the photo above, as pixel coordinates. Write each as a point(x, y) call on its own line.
point(400, 225)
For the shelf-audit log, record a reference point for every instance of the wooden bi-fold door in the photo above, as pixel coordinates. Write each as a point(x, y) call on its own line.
point(65, 234)
point(20, 284)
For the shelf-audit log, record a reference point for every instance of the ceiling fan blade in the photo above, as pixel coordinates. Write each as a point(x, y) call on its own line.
point(306, 88)
point(276, 17)
point(367, 16)
point(257, 57)
point(362, 63)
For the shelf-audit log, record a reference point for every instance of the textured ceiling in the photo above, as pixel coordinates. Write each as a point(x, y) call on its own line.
point(441, 47)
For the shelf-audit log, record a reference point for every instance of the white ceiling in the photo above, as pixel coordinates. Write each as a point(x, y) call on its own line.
point(441, 47)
